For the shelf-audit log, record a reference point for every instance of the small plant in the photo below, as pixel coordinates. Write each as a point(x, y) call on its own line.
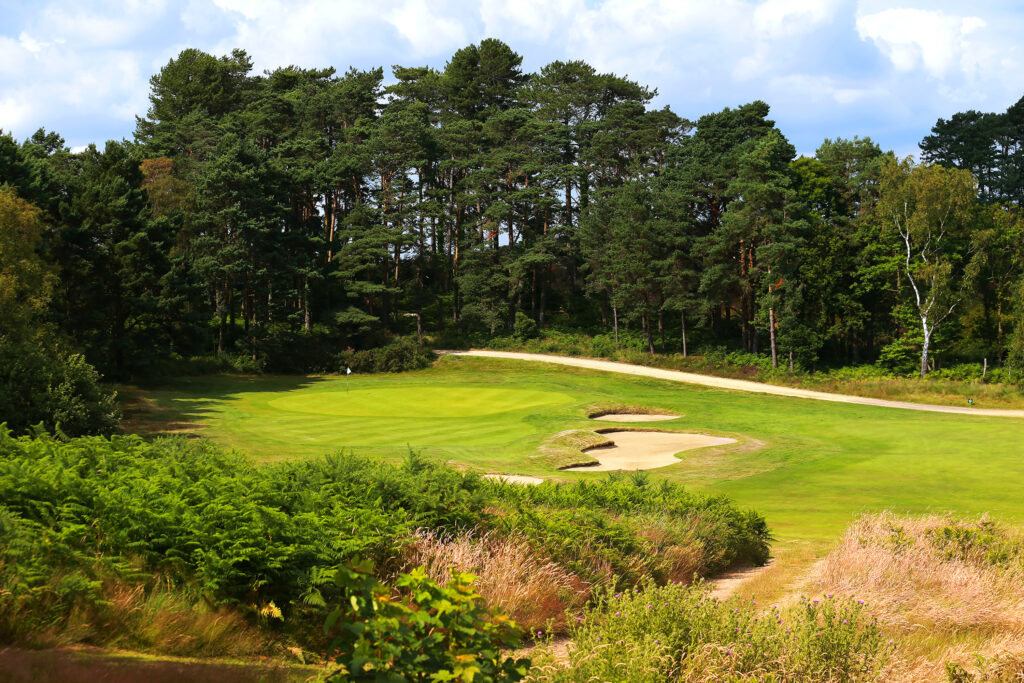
point(427, 633)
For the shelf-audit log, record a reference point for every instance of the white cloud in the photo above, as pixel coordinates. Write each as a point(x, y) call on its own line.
point(782, 17)
point(929, 39)
point(426, 29)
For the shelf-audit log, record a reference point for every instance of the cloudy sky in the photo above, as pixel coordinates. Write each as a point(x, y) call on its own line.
point(828, 68)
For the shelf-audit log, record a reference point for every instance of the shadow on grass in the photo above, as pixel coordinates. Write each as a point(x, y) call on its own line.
point(83, 666)
point(179, 406)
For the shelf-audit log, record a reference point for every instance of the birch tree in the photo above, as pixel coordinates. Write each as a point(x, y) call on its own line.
point(932, 211)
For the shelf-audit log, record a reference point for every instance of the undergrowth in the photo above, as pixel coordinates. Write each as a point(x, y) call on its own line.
point(680, 633)
point(950, 589)
point(185, 533)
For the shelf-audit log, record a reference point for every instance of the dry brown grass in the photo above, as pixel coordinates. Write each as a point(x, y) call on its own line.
point(944, 602)
point(532, 589)
point(155, 620)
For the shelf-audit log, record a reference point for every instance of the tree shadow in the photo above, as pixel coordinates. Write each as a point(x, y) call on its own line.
point(180, 406)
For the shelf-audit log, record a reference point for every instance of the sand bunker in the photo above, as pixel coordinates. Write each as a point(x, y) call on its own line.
point(646, 450)
point(634, 417)
point(515, 479)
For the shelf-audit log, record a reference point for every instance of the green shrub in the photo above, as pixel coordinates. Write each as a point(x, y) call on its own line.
point(177, 366)
point(399, 355)
point(286, 350)
point(222, 531)
point(678, 633)
point(426, 633)
point(43, 579)
point(41, 381)
point(525, 327)
point(606, 524)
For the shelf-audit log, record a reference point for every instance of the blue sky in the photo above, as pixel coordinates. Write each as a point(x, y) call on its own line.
point(828, 68)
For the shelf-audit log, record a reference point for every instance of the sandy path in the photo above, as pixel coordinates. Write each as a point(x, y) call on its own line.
point(634, 417)
point(735, 384)
point(516, 479)
point(645, 450)
point(725, 585)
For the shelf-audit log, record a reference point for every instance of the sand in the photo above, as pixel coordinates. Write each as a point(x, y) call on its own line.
point(516, 479)
point(736, 384)
point(634, 417)
point(646, 450)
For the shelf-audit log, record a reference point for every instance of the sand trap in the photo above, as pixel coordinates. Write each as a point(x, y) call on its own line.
point(515, 479)
point(634, 417)
point(646, 450)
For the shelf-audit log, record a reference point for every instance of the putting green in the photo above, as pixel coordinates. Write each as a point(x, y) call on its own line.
point(424, 402)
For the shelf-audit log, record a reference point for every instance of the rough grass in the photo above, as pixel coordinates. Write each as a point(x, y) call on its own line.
point(534, 590)
point(681, 634)
point(135, 617)
point(600, 410)
point(566, 449)
point(949, 589)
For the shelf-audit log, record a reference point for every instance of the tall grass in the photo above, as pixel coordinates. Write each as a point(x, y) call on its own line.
point(950, 589)
point(680, 633)
point(532, 589)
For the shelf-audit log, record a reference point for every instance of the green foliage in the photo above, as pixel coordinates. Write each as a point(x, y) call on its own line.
point(212, 522)
point(981, 542)
point(427, 632)
point(43, 579)
point(640, 527)
point(399, 355)
point(677, 633)
point(42, 382)
point(285, 215)
point(525, 327)
point(262, 540)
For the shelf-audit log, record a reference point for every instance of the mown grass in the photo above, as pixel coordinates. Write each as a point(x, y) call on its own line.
point(809, 466)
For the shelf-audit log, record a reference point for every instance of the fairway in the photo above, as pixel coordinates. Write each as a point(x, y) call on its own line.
point(808, 466)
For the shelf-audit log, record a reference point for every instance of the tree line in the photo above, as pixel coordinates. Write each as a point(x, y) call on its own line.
point(282, 217)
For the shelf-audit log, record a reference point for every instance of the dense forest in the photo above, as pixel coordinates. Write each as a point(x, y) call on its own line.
point(277, 219)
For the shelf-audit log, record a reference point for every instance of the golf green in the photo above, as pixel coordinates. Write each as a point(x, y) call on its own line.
point(809, 466)
point(424, 402)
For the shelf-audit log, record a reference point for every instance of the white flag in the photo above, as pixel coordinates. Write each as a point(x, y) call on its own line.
point(348, 370)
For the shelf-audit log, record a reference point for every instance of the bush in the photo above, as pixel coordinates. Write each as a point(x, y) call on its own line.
point(628, 526)
point(679, 633)
point(42, 382)
point(177, 366)
point(525, 327)
point(399, 355)
point(426, 633)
